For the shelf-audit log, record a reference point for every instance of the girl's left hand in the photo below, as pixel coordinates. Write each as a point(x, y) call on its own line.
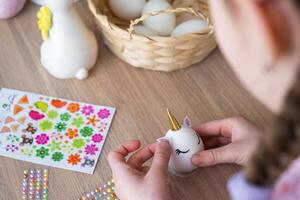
point(133, 181)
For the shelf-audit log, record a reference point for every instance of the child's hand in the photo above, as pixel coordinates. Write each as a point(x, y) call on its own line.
point(133, 181)
point(231, 140)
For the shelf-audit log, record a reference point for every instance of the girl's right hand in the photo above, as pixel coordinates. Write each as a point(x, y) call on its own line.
point(231, 140)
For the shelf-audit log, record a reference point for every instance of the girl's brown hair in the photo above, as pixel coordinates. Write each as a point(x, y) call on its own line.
point(281, 143)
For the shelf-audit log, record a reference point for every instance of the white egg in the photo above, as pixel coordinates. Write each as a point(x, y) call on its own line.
point(144, 31)
point(190, 26)
point(185, 142)
point(163, 23)
point(127, 10)
point(183, 17)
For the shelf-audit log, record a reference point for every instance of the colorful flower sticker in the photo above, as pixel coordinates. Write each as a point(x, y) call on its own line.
point(78, 143)
point(61, 126)
point(56, 136)
point(73, 107)
point(46, 125)
point(92, 120)
point(12, 138)
point(42, 138)
point(77, 122)
point(53, 146)
point(103, 113)
point(42, 152)
point(52, 114)
point(11, 147)
point(57, 156)
point(65, 117)
point(87, 110)
point(97, 138)
point(72, 133)
point(90, 149)
point(86, 131)
point(26, 152)
point(74, 159)
point(67, 148)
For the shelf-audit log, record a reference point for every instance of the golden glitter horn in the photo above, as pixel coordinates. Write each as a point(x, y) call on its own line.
point(174, 125)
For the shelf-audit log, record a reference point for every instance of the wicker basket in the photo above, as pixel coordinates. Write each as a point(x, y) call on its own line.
point(155, 53)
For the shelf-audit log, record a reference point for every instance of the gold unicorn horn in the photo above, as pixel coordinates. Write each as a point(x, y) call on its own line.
point(174, 125)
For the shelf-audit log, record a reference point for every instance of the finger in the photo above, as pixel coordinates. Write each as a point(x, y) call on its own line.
point(226, 154)
point(216, 142)
point(117, 156)
point(139, 158)
point(161, 158)
point(221, 127)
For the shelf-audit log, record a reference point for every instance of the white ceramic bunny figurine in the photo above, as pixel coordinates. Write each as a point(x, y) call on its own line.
point(185, 142)
point(39, 2)
point(69, 49)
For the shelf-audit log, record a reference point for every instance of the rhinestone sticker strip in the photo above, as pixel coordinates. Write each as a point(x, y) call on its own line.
point(104, 192)
point(35, 184)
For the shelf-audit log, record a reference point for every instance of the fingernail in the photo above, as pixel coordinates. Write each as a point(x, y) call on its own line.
point(196, 160)
point(162, 139)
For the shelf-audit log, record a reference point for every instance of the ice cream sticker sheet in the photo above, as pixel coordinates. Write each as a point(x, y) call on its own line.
point(52, 131)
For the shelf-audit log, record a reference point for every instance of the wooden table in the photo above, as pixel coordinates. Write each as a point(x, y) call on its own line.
point(204, 92)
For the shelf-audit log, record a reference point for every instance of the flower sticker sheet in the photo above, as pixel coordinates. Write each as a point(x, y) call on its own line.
point(51, 131)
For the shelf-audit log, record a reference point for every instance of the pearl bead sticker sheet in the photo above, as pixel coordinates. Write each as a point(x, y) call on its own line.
point(52, 131)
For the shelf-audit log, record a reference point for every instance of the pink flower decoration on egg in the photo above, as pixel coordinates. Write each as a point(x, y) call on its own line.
point(103, 113)
point(87, 110)
point(90, 149)
point(42, 139)
point(97, 138)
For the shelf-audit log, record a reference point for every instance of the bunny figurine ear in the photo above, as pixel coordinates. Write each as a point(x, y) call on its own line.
point(187, 122)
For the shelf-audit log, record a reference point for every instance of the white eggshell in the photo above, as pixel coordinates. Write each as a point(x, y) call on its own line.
point(190, 26)
point(186, 140)
point(163, 23)
point(144, 31)
point(127, 10)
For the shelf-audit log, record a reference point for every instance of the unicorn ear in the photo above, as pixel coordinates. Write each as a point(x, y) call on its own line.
point(161, 139)
point(187, 121)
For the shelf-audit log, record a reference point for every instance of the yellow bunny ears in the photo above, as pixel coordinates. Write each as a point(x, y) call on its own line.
point(44, 21)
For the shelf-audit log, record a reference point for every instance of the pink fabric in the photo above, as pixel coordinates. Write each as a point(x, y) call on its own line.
point(9, 8)
point(240, 189)
point(286, 188)
point(288, 185)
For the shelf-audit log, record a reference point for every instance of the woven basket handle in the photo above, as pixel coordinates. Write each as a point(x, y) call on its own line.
point(177, 10)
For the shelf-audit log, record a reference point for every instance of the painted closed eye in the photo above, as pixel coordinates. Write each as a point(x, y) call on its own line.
point(198, 139)
point(178, 151)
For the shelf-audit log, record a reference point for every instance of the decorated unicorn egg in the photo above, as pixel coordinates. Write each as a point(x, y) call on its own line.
point(185, 142)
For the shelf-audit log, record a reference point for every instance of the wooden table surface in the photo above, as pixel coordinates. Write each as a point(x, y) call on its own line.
point(204, 92)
